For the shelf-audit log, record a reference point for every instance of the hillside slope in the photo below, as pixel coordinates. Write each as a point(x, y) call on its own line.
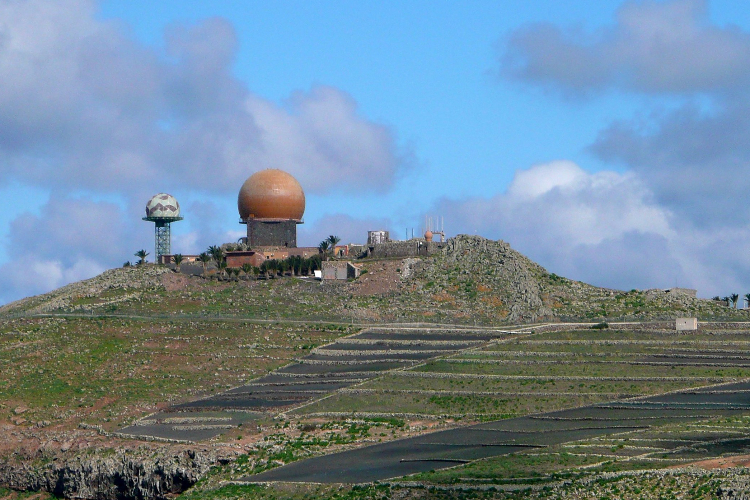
point(471, 281)
point(490, 281)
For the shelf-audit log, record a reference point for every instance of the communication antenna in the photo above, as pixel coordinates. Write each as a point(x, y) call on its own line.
point(434, 226)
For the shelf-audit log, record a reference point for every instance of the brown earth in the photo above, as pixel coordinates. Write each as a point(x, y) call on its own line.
point(381, 278)
point(719, 463)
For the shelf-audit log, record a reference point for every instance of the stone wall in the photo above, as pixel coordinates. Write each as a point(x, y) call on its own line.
point(271, 233)
point(409, 248)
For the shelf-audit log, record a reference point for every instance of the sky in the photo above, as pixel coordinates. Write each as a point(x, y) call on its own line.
point(607, 140)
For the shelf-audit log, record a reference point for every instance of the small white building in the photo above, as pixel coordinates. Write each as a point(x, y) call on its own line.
point(686, 324)
point(339, 270)
point(378, 237)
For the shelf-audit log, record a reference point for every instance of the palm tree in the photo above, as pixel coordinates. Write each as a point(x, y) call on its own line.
point(314, 262)
point(747, 300)
point(735, 298)
point(204, 258)
point(141, 254)
point(216, 253)
point(127, 264)
point(247, 268)
point(222, 265)
point(726, 301)
point(333, 241)
point(177, 259)
point(323, 248)
point(297, 265)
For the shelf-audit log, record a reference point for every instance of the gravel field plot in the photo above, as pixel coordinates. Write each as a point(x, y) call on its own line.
point(433, 334)
point(412, 346)
point(318, 369)
point(582, 368)
point(195, 426)
point(347, 361)
point(389, 356)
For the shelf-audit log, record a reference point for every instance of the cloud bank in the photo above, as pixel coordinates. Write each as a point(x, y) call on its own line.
point(84, 107)
point(605, 228)
point(686, 153)
point(653, 47)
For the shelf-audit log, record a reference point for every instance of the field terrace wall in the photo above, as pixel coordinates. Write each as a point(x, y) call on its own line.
point(409, 248)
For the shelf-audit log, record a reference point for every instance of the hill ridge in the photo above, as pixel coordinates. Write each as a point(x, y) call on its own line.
point(472, 280)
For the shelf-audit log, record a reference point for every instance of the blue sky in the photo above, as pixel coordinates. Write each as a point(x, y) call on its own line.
point(604, 139)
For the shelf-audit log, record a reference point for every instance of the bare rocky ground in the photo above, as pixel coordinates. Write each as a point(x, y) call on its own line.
point(473, 281)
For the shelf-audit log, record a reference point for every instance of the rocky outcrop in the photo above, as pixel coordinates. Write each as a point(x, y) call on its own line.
point(111, 474)
point(486, 274)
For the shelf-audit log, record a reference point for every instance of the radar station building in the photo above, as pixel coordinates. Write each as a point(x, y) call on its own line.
point(271, 203)
point(162, 209)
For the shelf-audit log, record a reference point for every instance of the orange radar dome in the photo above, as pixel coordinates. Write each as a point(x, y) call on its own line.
point(428, 235)
point(271, 194)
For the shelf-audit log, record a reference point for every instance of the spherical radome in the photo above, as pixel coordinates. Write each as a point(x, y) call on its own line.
point(271, 194)
point(162, 205)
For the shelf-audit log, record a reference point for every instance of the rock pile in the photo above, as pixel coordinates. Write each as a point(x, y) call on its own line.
point(139, 279)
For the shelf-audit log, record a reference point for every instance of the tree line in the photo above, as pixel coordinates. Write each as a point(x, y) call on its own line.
point(733, 299)
point(294, 265)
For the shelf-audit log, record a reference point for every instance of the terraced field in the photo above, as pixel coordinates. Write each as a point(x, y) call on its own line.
point(328, 369)
point(607, 400)
point(517, 375)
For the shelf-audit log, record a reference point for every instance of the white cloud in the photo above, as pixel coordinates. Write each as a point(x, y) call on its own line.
point(664, 46)
point(84, 106)
point(604, 228)
point(68, 241)
point(690, 146)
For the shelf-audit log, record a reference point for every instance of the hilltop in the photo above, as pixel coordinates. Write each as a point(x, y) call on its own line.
point(471, 281)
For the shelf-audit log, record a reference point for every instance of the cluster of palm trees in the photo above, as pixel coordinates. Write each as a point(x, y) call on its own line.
point(294, 265)
point(733, 299)
point(141, 254)
point(327, 247)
